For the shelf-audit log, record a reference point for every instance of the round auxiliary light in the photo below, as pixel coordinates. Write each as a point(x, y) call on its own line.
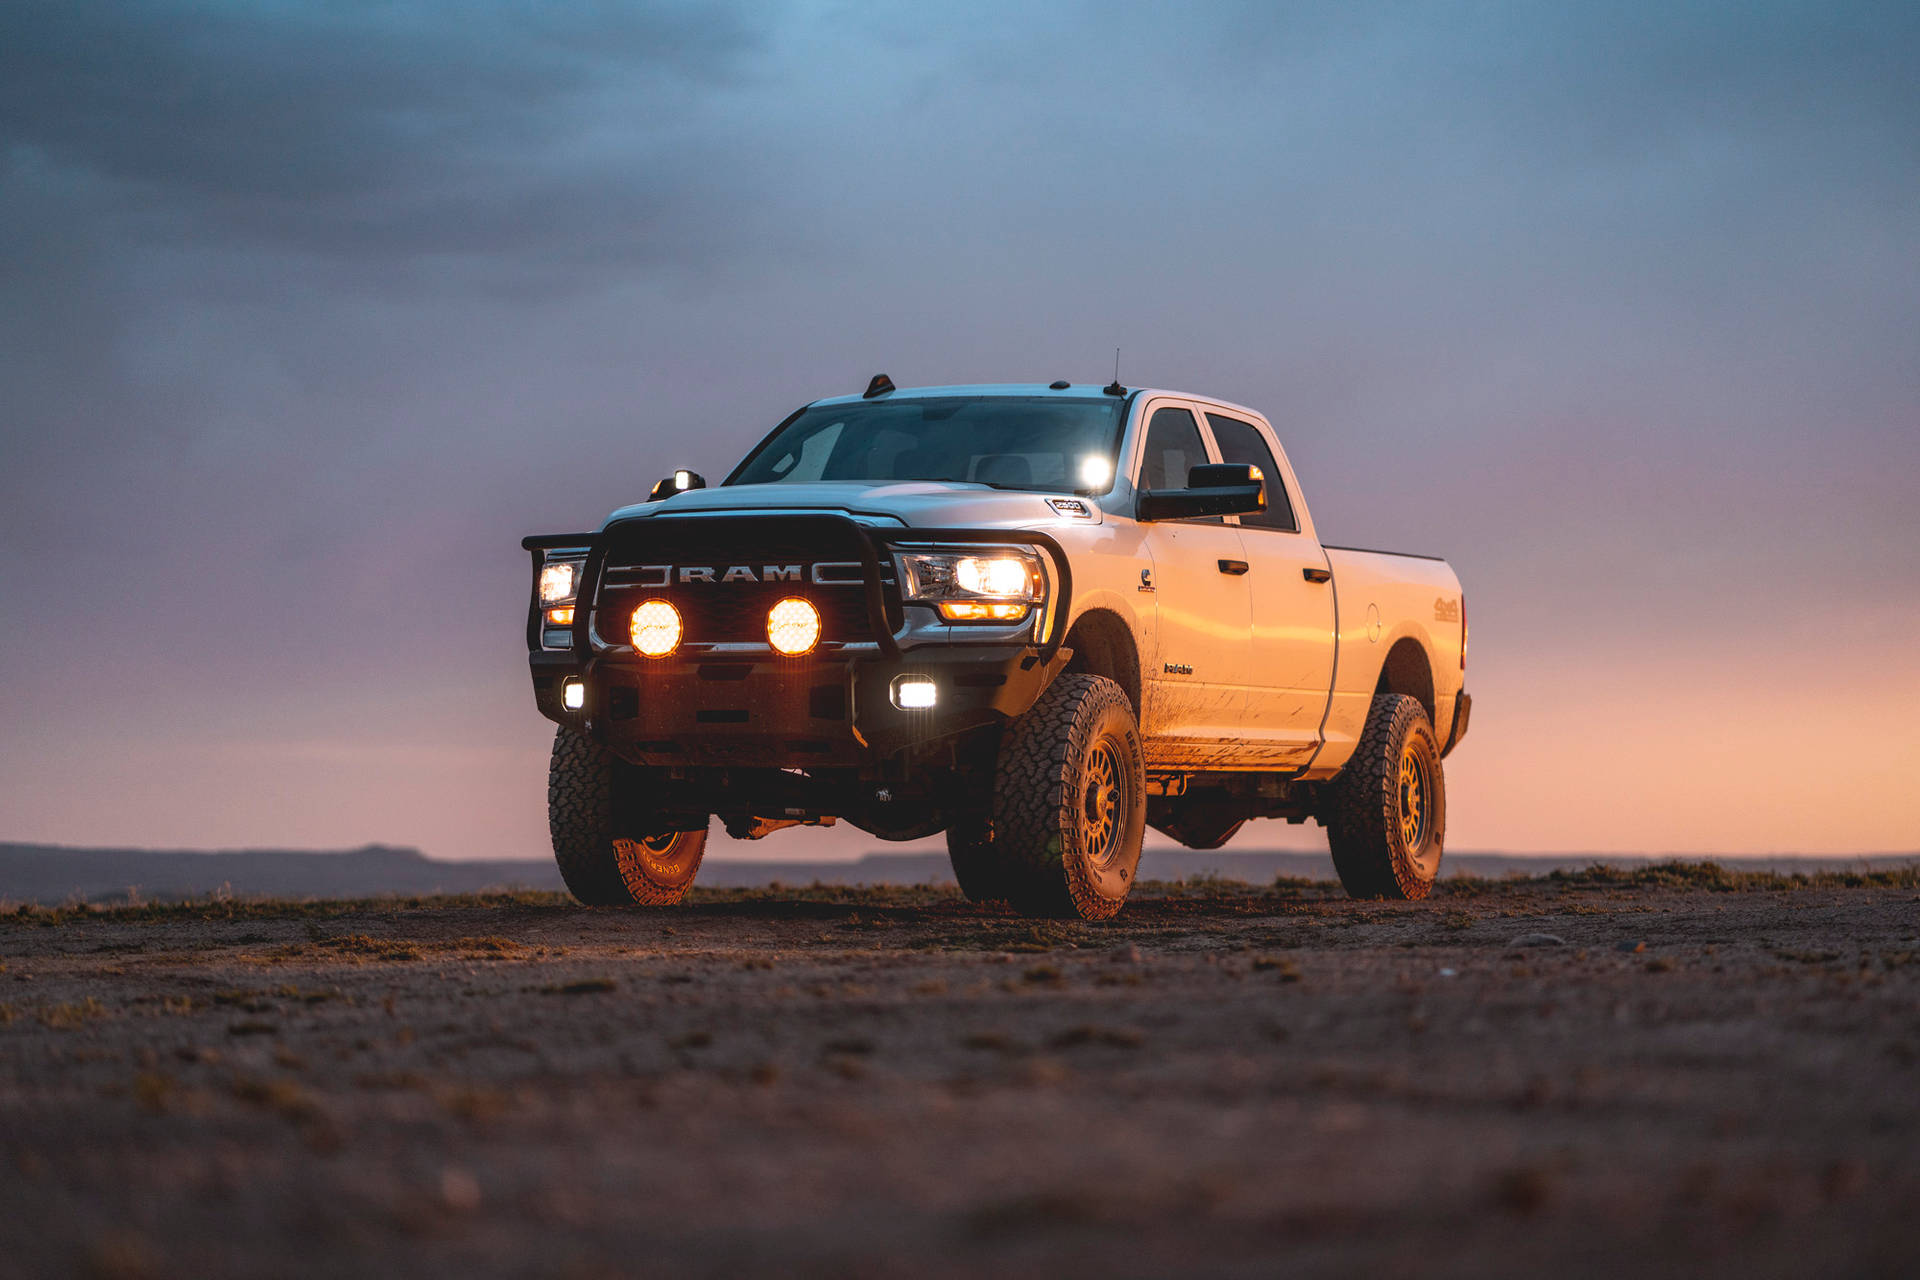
point(656, 628)
point(793, 626)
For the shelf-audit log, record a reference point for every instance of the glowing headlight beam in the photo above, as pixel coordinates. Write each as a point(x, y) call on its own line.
point(556, 582)
point(1000, 576)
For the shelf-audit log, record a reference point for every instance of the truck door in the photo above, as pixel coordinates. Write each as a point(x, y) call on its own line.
point(1292, 603)
point(1195, 689)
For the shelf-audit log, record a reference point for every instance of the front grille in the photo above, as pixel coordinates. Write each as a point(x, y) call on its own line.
point(735, 612)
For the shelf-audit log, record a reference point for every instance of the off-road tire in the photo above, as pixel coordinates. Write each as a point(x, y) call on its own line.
point(1066, 847)
point(1366, 812)
point(611, 851)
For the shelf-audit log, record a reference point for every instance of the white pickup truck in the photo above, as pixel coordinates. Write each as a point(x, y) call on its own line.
point(1039, 618)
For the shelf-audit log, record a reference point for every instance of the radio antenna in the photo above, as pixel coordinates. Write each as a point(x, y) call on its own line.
point(1114, 388)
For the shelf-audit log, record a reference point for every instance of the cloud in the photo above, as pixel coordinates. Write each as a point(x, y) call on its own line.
point(554, 132)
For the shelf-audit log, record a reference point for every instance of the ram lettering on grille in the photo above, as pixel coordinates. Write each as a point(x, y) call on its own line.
point(828, 573)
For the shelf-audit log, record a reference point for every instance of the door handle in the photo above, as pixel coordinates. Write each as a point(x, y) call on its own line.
point(1313, 573)
point(1234, 567)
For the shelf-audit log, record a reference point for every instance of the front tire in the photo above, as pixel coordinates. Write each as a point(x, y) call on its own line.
point(612, 849)
point(1386, 816)
point(1070, 801)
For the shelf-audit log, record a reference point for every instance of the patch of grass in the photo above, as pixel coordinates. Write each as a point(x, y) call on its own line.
point(360, 944)
point(1713, 876)
point(1806, 957)
point(67, 1016)
point(476, 1104)
point(581, 987)
point(1281, 968)
point(491, 946)
point(152, 1091)
point(281, 1095)
point(1090, 1034)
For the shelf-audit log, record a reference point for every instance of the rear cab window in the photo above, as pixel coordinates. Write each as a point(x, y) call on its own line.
point(1242, 442)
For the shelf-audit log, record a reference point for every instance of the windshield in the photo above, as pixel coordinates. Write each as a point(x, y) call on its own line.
point(1006, 442)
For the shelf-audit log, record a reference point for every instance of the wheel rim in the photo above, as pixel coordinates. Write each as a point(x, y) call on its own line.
point(1103, 803)
point(1416, 800)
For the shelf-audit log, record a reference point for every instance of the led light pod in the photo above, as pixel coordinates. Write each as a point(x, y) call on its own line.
point(656, 629)
point(914, 693)
point(793, 627)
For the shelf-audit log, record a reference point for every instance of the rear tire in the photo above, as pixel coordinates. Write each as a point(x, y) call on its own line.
point(612, 849)
point(1386, 814)
point(1070, 801)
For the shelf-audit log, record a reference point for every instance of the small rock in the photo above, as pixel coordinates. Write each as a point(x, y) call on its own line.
point(1538, 940)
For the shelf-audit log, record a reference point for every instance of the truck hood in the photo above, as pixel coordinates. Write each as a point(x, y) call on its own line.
point(926, 504)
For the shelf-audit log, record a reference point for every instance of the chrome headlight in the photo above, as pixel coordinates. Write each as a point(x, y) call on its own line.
point(992, 584)
point(557, 582)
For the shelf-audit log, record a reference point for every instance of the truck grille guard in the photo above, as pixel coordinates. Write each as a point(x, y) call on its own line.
point(871, 543)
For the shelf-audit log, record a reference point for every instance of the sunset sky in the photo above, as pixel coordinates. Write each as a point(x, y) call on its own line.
point(308, 313)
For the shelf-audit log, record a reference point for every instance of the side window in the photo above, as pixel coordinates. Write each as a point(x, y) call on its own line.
point(1242, 442)
point(1173, 448)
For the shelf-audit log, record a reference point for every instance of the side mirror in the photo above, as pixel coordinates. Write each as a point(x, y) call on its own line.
point(1215, 489)
point(678, 482)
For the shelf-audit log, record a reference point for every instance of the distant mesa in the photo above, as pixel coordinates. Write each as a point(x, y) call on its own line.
point(55, 873)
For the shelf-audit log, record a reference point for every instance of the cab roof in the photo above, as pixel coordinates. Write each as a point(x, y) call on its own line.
point(1077, 391)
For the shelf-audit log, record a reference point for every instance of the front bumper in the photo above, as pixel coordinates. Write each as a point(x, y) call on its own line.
point(787, 713)
point(833, 707)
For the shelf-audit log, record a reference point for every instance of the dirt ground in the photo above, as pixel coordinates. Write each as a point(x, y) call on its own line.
point(1668, 1072)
